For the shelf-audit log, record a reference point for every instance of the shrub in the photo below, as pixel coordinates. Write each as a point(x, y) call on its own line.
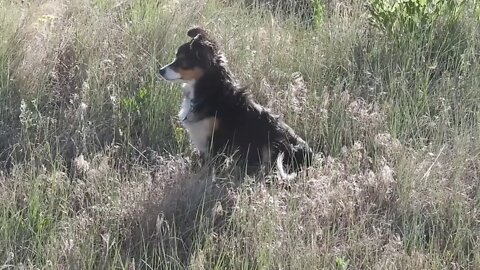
point(407, 16)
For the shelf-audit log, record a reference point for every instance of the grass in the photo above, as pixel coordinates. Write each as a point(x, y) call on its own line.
point(96, 173)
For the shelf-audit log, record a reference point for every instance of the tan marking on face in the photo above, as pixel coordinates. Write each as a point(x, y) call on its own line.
point(191, 74)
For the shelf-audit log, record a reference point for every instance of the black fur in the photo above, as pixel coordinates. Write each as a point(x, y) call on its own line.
point(244, 127)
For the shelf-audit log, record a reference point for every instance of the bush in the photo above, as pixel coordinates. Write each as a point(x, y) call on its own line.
point(407, 16)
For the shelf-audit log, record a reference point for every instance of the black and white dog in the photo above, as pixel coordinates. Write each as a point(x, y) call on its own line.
point(221, 117)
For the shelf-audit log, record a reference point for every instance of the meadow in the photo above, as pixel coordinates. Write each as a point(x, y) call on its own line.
point(97, 173)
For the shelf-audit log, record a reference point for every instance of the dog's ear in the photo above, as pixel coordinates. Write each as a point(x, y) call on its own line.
point(206, 51)
point(206, 46)
point(194, 32)
point(199, 34)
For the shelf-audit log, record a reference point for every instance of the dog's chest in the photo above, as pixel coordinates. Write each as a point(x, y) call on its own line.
point(200, 131)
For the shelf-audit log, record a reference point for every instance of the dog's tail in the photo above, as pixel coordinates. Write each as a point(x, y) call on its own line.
point(281, 169)
point(301, 156)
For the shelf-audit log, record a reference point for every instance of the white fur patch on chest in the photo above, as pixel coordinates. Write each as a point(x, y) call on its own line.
point(188, 92)
point(200, 131)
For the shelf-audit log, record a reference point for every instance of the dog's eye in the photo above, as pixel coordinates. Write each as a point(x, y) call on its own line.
point(184, 63)
point(179, 62)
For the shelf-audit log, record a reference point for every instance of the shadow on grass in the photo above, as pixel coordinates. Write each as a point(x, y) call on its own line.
point(178, 213)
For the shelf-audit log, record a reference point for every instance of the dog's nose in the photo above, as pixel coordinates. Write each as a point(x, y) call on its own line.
point(162, 71)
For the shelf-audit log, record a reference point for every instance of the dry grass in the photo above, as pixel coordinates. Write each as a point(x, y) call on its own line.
point(95, 173)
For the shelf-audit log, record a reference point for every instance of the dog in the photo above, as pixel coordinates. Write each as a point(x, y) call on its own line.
point(222, 118)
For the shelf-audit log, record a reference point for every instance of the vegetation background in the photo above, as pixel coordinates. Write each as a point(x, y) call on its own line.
point(96, 173)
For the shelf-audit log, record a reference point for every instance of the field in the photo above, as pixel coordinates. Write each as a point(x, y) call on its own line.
point(97, 173)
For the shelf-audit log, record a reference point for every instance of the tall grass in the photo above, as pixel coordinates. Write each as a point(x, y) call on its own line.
point(96, 172)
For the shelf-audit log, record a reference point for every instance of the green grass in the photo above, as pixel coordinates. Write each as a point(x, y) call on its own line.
point(96, 173)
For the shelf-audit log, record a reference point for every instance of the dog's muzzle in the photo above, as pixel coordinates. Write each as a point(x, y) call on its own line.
point(162, 72)
point(169, 74)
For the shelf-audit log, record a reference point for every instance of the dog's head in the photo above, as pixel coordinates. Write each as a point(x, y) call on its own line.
point(192, 59)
